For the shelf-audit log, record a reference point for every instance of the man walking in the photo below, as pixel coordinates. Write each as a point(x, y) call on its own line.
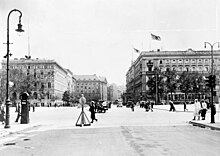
point(172, 108)
point(92, 110)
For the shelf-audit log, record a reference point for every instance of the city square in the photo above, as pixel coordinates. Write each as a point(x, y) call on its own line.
point(109, 77)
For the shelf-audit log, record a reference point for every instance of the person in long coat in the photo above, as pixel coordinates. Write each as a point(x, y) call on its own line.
point(92, 110)
point(197, 108)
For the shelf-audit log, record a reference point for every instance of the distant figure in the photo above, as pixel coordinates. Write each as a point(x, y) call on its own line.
point(197, 108)
point(92, 110)
point(33, 106)
point(172, 108)
point(19, 112)
point(184, 105)
point(132, 106)
point(2, 113)
point(152, 106)
point(147, 106)
point(203, 109)
point(109, 104)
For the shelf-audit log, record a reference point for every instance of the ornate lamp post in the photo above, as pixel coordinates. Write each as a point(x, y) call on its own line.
point(212, 87)
point(7, 125)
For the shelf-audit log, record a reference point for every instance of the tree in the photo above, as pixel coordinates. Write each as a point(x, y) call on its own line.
point(160, 85)
point(22, 82)
point(192, 82)
point(66, 97)
point(171, 81)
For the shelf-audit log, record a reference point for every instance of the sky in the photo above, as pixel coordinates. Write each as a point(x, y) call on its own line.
point(98, 36)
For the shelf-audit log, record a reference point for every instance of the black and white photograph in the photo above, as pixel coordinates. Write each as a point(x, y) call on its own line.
point(109, 77)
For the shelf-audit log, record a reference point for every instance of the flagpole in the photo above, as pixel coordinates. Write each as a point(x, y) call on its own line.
point(150, 42)
point(132, 57)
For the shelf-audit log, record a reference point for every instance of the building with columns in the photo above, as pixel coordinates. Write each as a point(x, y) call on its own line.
point(142, 68)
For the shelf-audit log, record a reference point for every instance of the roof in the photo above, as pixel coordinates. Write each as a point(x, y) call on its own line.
point(86, 77)
point(90, 78)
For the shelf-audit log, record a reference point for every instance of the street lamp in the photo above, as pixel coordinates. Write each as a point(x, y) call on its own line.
point(212, 87)
point(7, 124)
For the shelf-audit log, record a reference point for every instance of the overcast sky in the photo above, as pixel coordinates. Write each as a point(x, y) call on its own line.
point(98, 36)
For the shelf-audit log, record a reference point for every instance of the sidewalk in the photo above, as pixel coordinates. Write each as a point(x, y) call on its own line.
point(200, 123)
point(14, 127)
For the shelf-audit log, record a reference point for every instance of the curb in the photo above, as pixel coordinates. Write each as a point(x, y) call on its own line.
point(204, 125)
point(5, 132)
point(175, 111)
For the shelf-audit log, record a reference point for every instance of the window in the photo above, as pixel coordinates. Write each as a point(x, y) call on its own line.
point(49, 85)
point(161, 62)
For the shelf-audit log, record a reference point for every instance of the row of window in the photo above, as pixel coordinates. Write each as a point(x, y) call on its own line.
point(83, 91)
point(91, 83)
point(188, 61)
point(43, 85)
point(31, 66)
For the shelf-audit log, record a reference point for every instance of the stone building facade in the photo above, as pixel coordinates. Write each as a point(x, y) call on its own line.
point(189, 60)
point(92, 86)
point(53, 78)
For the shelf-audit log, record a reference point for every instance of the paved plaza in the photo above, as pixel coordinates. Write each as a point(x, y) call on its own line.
point(119, 131)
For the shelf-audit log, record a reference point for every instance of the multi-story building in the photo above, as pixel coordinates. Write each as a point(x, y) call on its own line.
point(92, 86)
point(54, 79)
point(115, 92)
point(189, 60)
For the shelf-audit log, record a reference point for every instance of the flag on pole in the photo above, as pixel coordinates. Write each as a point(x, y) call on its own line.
point(136, 50)
point(155, 37)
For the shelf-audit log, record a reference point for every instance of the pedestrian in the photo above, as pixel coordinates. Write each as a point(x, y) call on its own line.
point(203, 109)
point(184, 105)
point(172, 108)
point(207, 103)
point(152, 106)
point(19, 112)
point(197, 108)
point(2, 113)
point(147, 106)
point(132, 106)
point(92, 110)
point(33, 106)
